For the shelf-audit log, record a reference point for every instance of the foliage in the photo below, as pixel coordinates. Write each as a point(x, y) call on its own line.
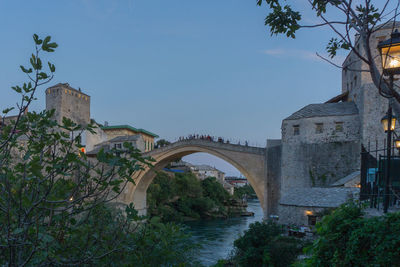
point(168, 244)
point(55, 202)
point(344, 19)
point(246, 190)
point(214, 190)
point(183, 196)
point(264, 245)
point(161, 143)
point(347, 238)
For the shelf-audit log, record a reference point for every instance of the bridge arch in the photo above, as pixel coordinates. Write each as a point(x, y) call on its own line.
point(250, 161)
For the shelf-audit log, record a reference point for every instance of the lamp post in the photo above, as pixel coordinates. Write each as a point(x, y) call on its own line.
point(389, 124)
point(390, 56)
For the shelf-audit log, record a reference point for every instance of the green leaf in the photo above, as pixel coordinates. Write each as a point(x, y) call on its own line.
point(48, 47)
point(25, 70)
point(5, 111)
point(51, 67)
point(42, 76)
point(36, 39)
point(17, 89)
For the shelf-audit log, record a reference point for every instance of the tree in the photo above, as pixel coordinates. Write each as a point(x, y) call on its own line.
point(57, 205)
point(162, 142)
point(344, 18)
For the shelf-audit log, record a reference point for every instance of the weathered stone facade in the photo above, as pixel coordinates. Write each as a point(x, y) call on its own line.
point(126, 130)
point(320, 145)
point(68, 102)
point(297, 204)
point(363, 92)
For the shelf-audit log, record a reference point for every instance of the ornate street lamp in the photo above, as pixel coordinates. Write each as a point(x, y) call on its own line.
point(385, 123)
point(390, 56)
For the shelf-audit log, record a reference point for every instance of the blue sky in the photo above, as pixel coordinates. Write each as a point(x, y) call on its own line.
point(173, 67)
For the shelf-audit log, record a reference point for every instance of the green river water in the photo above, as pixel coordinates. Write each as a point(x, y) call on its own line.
point(216, 236)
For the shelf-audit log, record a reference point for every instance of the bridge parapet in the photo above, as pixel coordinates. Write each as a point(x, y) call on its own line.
point(209, 144)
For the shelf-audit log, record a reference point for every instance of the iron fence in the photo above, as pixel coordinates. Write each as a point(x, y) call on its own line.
point(373, 173)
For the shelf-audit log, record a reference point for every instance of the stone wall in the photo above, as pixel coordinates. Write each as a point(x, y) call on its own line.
point(308, 134)
point(273, 176)
point(93, 139)
point(297, 203)
point(296, 215)
point(112, 133)
point(371, 105)
point(318, 159)
point(374, 108)
point(309, 165)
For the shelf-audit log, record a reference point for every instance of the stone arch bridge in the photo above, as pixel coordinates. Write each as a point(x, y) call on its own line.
point(250, 161)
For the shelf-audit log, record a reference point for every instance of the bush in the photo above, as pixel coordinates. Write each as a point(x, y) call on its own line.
point(347, 238)
point(244, 190)
point(263, 245)
point(214, 190)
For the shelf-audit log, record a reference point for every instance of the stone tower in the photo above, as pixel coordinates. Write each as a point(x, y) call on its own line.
point(68, 102)
point(360, 89)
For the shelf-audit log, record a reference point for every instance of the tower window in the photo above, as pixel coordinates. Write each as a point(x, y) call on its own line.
point(296, 129)
point(339, 126)
point(312, 220)
point(319, 128)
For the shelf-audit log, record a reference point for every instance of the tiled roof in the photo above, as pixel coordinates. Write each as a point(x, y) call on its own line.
point(129, 128)
point(98, 147)
point(352, 176)
point(125, 138)
point(326, 109)
point(318, 196)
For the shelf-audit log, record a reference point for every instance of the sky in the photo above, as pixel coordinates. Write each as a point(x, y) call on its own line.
point(173, 67)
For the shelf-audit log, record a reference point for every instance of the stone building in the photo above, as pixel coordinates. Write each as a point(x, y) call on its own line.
point(204, 171)
point(117, 143)
point(126, 130)
point(321, 143)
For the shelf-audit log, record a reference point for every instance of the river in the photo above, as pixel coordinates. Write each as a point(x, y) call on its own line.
point(216, 236)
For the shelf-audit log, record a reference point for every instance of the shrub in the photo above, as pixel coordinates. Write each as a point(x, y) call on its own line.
point(263, 245)
point(347, 238)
